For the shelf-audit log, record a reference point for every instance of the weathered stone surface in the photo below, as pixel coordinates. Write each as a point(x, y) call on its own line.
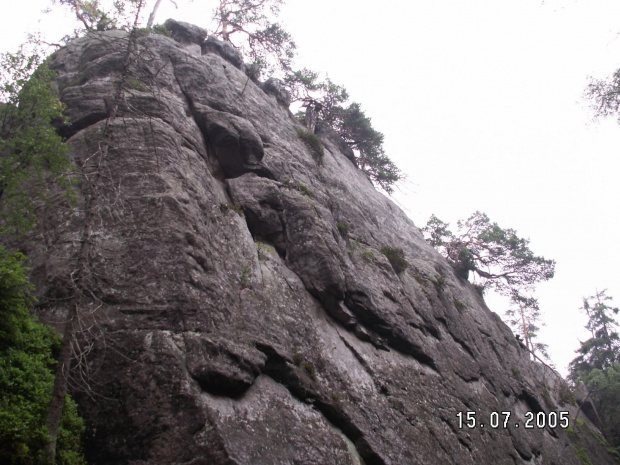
point(231, 320)
point(276, 88)
point(223, 49)
point(186, 33)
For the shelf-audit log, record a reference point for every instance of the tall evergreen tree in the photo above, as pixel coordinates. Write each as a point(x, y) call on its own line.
point(602, 349)
point(598, 363)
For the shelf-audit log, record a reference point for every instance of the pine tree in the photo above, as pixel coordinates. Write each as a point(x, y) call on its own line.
point(598, 363)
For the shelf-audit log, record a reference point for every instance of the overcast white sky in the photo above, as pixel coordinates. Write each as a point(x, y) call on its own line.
point(481, 106)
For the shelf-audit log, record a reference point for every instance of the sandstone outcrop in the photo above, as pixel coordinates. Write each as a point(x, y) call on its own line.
point(238, 307)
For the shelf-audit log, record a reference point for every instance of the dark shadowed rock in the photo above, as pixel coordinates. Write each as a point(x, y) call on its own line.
point(276, 88)
point(186, 33)
point(226, 50)
point(239, 308)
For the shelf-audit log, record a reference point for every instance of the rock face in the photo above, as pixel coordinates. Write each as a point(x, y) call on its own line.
point(235, 305)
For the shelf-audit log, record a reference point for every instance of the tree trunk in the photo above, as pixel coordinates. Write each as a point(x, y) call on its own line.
point(149, 24)
point(59, 392)
point(311, 117)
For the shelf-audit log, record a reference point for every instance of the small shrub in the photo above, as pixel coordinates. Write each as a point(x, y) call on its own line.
point(566, 396)
point(516, 373)
point(162, 30)
point(303, 189)
point(583, 455)
point(460, 305)
point(343, 228)
point(479, 289)
point(396, 257)
point(367, 256)
point(297, 357)
point(312, 142)
point(309, 369)
point(137, 85)
point(263, 250)
point(439, 281)
point(354, 245)
point(245, 276)
point(226, 207)
point(142, 31)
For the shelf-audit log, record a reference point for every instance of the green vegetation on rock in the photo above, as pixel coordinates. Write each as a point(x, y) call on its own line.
point(396, 257)
point(32, 154)
point(27, 363)
point(312, 141)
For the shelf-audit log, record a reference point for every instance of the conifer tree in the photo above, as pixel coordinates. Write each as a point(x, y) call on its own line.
point(499, 260)
point(248, 25)
point(598, 363)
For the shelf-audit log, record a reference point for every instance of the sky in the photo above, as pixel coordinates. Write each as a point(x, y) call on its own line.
point(481, 105)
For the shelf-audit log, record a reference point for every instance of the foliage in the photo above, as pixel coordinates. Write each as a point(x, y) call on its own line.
point(245, 276)
point(601, 351)
point(323, 97)
point(356, 129)
point(312, 142)
point(161, 30)
point(247, 25)
point(138, 85)
point(598, 363)
point(94, 16)
point(367, 256)
point(26, 377)
point(225, 207)
point(502, 261)
point(324, 102)
point(309, 369)
point(343, 228)
point(523, 315)
point(583, 455)
point(263, 250)
point(396, 257)
point(305, 190)
point(298, 358)
point(30, 150)
point(438, 281)
point(566, 395)
point(605, 96)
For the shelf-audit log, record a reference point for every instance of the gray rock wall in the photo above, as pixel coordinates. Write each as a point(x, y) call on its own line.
point(228, 319)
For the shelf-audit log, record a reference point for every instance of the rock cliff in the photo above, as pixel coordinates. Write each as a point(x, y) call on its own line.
point(234, 303)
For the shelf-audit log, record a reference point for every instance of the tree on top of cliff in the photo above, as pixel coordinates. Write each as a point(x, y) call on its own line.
point(498, 256)
point(501, 260)
point(247, 25)
point(95, 17)
point(324, 103)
